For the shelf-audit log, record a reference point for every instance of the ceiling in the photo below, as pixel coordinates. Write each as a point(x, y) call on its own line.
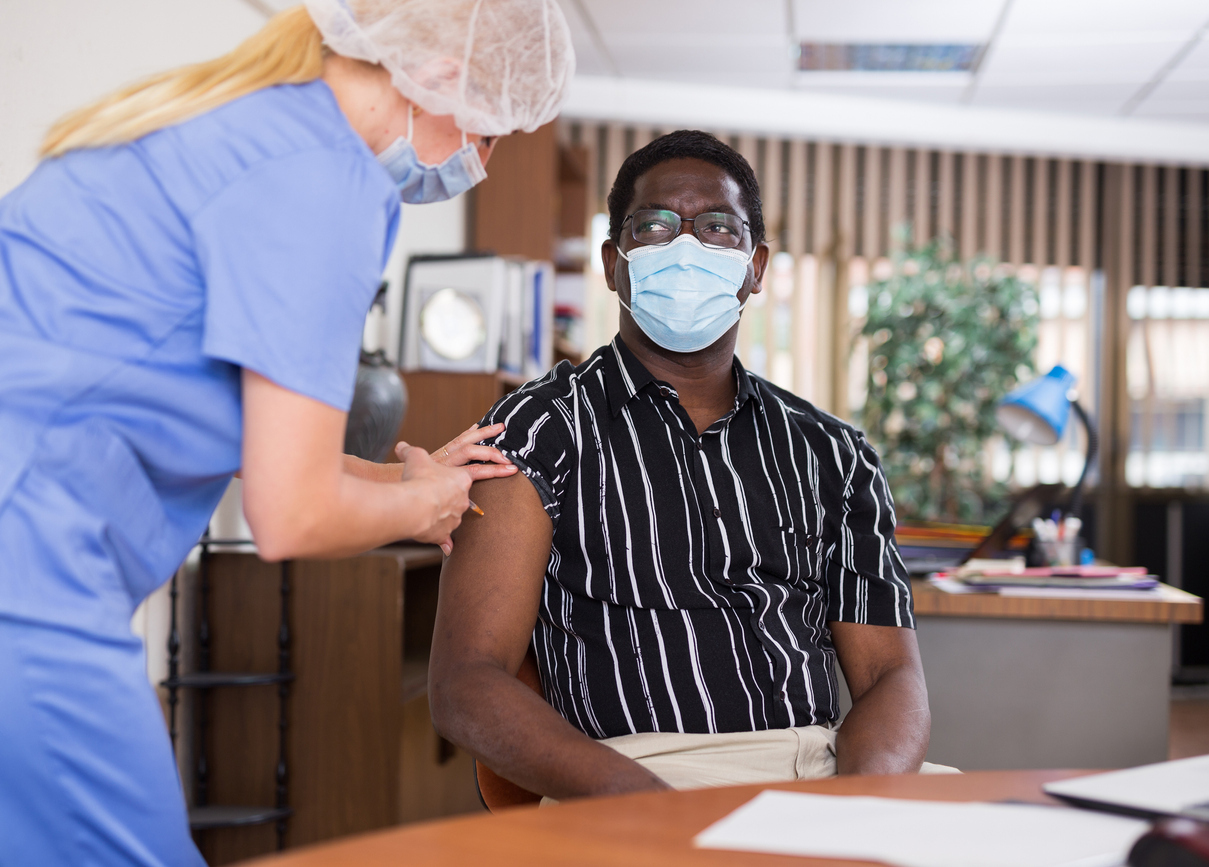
point(1109, 58)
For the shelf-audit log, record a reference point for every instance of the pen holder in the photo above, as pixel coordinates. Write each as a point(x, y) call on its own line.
point(1061, 552)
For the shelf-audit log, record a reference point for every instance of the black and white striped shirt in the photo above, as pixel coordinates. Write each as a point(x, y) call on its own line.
point(691, 577)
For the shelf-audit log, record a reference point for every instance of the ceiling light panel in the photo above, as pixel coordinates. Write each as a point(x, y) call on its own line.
point(895, 21)
point(865, 57)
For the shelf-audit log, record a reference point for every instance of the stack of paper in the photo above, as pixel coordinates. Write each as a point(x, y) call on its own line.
point(924, 833)
point(1069, 577)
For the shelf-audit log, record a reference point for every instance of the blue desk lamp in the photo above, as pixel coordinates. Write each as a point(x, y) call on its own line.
point(1038, 411)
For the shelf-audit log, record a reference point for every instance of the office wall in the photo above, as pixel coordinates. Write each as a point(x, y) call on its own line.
point(57, 55)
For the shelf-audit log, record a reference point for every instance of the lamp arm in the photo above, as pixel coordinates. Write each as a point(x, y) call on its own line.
point(1093, 446)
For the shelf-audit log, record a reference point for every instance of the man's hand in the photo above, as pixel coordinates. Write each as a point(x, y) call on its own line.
point(886, 732)
point(490, 589)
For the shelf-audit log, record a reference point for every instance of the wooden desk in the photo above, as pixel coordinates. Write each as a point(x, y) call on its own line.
point(1175, 606)
point(649, 829)
point(1044, 682)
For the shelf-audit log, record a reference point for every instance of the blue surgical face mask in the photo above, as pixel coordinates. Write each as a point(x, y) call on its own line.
point(420, 183)
point(684, 295)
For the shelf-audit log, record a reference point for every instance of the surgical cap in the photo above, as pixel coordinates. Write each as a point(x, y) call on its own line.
point(496, 65)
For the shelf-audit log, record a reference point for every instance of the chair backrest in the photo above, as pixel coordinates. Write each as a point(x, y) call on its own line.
point(496, 792)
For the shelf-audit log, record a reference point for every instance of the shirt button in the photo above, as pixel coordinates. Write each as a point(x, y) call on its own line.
point(717, 513)
point(700, 445)
point(664, 390)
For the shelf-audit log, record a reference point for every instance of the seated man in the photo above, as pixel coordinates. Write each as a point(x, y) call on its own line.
point(695, 546)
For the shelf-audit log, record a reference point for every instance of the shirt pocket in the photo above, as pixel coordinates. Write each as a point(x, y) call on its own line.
point(805, 551)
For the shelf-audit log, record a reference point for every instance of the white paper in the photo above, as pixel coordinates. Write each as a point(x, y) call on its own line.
point(1165, 787)
point(924, 833)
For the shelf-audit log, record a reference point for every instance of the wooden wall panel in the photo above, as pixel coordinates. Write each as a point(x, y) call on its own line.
point(522, 184)
point(1087, 215)
point(770, 192)
point(871, 210)
point(1062, 226)
point(945, 196)
point(1145, 268)
point(823, 221)
point(992, 243)
point(1017, 217)
point(1039, 213)
point(1194, 229)
point(970, 206)
point(896, 203)
point(795, 207)
point(1171, 226)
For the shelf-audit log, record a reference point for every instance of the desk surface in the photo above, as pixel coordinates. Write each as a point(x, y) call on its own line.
point(1176, 606)
point(647, 829)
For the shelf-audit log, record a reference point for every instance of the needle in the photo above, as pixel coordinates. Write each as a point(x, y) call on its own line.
point(476, 509)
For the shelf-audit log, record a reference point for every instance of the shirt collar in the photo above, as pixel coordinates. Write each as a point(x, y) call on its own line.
point(625, 376)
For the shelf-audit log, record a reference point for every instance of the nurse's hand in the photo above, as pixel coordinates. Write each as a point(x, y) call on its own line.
point(465, 447)
point(449, 488)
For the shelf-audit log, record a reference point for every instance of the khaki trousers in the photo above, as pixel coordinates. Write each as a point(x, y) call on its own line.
point(702, 761)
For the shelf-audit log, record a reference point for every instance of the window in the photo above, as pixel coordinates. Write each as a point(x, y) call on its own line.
point(1167, 374)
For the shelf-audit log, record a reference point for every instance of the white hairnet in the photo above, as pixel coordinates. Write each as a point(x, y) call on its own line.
point(496, 65)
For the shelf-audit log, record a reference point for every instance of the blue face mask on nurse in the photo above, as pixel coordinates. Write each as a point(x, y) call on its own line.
point(423, 183)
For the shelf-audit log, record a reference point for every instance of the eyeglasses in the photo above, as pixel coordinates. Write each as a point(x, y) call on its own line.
point(656, 227)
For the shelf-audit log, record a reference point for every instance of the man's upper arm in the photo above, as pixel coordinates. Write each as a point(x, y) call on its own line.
point(491, 584)
point(867, 652)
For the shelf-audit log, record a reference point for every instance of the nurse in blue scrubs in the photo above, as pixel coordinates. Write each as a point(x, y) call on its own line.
point(183, 284)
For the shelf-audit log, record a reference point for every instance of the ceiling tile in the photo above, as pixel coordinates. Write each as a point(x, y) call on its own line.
point(895, 21)
point(687, 61)
point(1081, 16)
point(588, 57)
point(949, 94)
point(1016, 63)
point(1180, 90)
point(1194, 67)
point(622, 17)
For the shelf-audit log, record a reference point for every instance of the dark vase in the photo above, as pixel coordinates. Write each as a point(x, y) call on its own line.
point(379, 404)
point(380, 398)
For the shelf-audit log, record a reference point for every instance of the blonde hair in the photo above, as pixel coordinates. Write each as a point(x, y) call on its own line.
point(287, 50)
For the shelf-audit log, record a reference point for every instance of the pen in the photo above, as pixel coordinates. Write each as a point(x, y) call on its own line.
point(476, 509)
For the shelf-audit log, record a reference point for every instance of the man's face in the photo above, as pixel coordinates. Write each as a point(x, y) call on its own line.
point(689, 187)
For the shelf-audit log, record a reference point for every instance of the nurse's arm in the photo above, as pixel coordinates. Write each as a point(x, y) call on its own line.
point(372, 472)
point(300, 501)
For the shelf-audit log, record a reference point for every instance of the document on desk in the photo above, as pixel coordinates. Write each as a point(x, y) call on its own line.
point(923, 833)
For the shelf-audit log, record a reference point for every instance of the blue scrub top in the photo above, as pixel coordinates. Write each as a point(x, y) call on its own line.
point(135, 282)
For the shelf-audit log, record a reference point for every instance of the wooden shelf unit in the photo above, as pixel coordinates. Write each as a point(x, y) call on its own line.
point(362, 753)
